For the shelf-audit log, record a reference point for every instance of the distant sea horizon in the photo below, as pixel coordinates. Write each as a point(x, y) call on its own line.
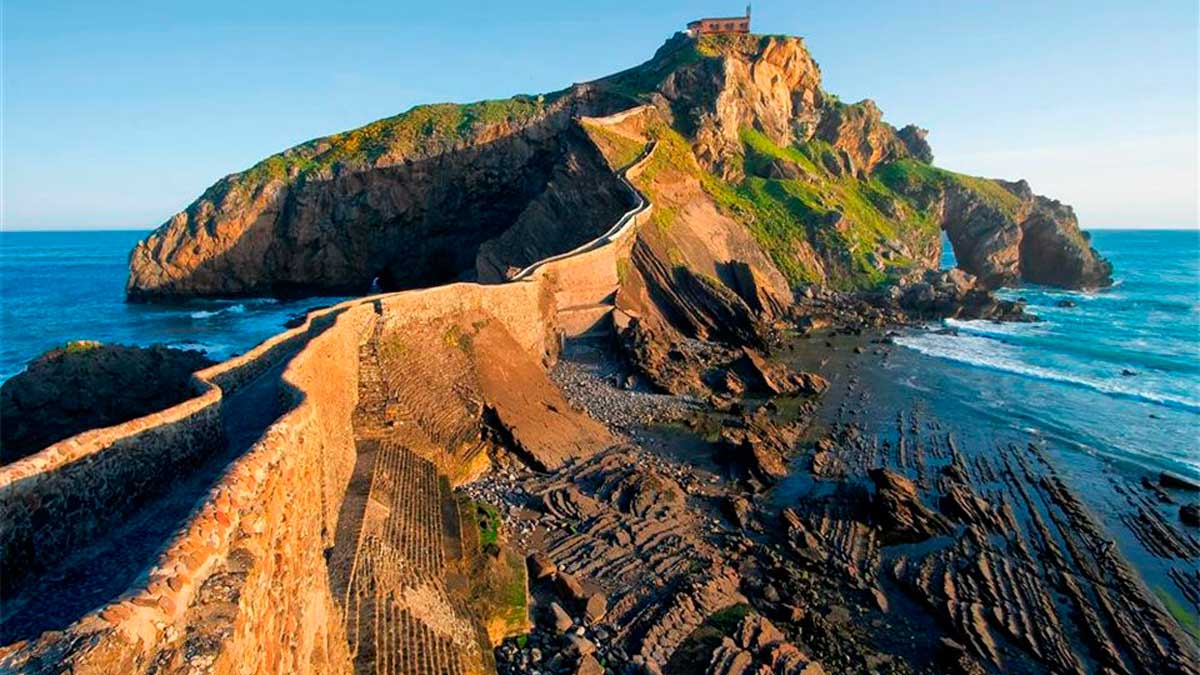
point(1114, 371)
point(148, 229)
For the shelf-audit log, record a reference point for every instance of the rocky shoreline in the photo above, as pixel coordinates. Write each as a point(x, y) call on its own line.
point(865, 539)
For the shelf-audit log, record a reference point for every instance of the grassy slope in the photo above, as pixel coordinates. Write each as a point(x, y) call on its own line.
point(399, 135)
point(496, 572)
point(783, 213)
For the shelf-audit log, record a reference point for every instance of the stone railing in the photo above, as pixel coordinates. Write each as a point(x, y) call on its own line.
point(243, 585)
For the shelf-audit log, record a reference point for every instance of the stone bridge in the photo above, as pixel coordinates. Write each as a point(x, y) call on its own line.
point(275, 522)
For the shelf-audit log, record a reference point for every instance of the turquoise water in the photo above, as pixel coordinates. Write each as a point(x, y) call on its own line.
point(1117, 374)
point(60, 286)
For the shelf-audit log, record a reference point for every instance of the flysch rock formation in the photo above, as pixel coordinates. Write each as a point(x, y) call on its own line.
point(311, 510)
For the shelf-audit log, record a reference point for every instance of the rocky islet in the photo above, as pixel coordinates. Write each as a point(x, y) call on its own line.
point(636, 472)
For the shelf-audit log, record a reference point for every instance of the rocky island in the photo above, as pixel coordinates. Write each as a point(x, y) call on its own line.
point(621, 406)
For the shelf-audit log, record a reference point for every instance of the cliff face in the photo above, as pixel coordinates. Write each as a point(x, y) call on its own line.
point(829, 191)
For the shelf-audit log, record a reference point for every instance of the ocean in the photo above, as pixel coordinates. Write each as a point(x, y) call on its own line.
point(62, 286)
point(1116, 375)
point(1113, 373)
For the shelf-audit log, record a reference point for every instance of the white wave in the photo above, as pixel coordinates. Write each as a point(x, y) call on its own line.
point(197, 346)
point(984, 327)
point(233, 309)
point(984, 353)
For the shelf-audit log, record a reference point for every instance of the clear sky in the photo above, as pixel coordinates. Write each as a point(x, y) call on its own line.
point(118, 114)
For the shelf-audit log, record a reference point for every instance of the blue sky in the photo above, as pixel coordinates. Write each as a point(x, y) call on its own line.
point(118, 114)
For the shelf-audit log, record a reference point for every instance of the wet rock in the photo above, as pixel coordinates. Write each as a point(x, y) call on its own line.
point(962, 504)
point(1189, 514)
point(762, 375)
point(952, 293)
point(1177, 482)
point(898, 510)
point(758, 445)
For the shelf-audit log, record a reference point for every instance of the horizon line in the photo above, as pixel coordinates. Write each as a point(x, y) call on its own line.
point(1110, 228)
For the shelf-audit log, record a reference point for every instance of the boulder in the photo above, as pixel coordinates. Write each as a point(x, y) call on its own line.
point(1189, 514)
point(1177, 482)
point(588, 665)
point(570, 589)
point(88, 385)
point(559, 618)
point(595, 608)
point(541, 566)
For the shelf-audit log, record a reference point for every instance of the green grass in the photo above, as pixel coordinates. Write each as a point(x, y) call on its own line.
point(727, 620)
point(81, 346)
point(663, 217)
point(456, 337)
point(399, 135)
point(910, 175)
point(637, 82)
point(488, 518)
point(497, 589)
point(782, 212)
point(622, 150)
point(760, 150)
point(624, 271)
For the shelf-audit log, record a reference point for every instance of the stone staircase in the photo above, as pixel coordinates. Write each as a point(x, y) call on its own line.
point(399, 617)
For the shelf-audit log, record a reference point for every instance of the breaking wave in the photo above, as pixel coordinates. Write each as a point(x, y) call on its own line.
point(983, 352)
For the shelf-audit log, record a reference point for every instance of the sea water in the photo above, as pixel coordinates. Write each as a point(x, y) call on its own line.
point(62, 286)
point(1114, 372)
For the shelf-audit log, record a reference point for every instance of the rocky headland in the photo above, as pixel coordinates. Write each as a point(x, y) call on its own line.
point(828, 190)
point(657, 437)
